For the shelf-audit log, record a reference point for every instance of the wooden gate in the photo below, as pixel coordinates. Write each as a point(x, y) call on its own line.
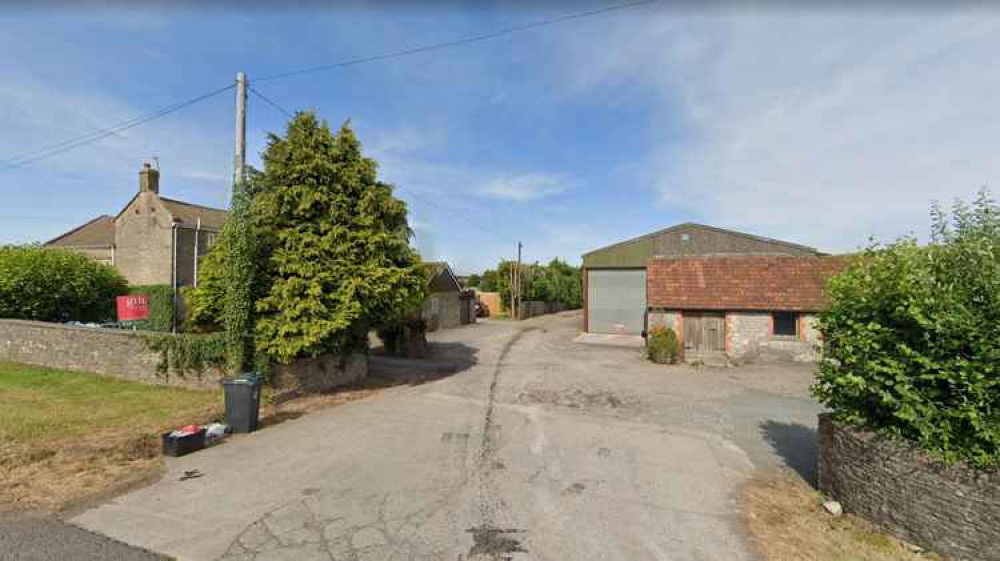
point(704, 331)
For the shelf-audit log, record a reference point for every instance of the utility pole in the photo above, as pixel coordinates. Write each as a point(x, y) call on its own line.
point(513, 313)
point(240, 159)
point(518, 282)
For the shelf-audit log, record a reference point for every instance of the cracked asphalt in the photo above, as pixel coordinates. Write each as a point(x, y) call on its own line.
point(532, 447)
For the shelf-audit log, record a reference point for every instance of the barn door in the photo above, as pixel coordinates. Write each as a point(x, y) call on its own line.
point(704, 331)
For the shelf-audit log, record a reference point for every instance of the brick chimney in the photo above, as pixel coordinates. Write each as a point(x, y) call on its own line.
point(149, 179)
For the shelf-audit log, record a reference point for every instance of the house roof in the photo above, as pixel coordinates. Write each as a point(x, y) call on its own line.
point(188, 214)
point(684, 225)
point(751, 282)
point(440, 278)
point(98, 232)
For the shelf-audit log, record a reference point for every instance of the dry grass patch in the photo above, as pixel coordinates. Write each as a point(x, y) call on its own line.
point(787, 522)
point(68, 437)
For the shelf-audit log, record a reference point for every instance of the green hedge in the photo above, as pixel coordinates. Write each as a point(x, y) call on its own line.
point(47, 284)
point(911, 345)
point(161, 307)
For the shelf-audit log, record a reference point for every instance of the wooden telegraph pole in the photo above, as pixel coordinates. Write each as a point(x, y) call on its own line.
point(240, 158)
point(517, 310)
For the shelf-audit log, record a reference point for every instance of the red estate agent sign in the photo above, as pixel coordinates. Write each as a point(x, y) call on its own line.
point(133, 307)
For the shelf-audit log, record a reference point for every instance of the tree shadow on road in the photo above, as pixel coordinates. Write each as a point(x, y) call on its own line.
point(796, 444)
point(443, 360)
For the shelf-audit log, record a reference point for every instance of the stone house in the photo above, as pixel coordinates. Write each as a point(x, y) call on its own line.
point(744, 307)
point(153, 240)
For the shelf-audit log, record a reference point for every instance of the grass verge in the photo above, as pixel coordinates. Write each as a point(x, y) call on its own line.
point(67, 437)
point(787, 522)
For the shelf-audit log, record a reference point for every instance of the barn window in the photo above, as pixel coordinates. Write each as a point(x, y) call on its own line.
point(785, 324)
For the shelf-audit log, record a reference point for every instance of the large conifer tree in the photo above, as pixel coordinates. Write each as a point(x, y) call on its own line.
point(339, 260)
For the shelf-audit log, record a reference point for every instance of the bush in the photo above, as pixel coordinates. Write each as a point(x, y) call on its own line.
point(662, 346)
point(47, 284)
point(911, 345)
point(161, 307)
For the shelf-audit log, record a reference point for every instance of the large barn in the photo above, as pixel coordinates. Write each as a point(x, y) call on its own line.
point(615, 299)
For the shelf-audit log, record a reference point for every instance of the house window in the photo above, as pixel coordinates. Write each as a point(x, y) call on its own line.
point(786, 324)
point(209, 239)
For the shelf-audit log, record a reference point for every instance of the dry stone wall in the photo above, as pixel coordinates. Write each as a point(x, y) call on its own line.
point(953, 510)
point(126, 355)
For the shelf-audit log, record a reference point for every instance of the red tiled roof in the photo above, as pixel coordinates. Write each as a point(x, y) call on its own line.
point(751, 282)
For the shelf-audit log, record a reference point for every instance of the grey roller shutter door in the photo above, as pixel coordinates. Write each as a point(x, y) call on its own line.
point(616, 300)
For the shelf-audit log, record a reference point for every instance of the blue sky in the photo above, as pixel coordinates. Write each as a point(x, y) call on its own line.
point(822, 127)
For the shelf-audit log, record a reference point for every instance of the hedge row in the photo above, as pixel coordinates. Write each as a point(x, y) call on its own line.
point(46, 284)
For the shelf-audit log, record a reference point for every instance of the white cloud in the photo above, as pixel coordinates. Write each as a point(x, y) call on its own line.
point(817, 127)
point(525, 187)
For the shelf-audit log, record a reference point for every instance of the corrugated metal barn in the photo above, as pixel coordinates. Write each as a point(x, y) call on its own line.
point(614, 277)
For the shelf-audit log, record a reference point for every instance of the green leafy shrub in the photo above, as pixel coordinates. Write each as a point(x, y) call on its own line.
point(48, 284)
point(161, 307)
point(911, 342)
point(187, 354)
point(204, 302)
point(662, 345)
point(240, 276)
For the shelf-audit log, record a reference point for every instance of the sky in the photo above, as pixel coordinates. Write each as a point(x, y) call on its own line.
point(824, 126)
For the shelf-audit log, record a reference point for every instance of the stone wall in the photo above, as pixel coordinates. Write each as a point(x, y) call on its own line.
point(112, 352)
point(307, 375)
point(666, 318)
point(749, 337)
point(953, 510)
point(746, 332)
point(144, 241)
point(125, 354)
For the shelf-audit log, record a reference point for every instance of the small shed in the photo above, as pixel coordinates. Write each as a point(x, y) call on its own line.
point(443, 307)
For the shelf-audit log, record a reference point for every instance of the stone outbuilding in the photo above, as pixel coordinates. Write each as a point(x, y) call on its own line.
point(153, 240)
point(744, 307)
point(446, 300)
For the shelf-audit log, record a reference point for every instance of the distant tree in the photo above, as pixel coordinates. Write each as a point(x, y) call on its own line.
point(488, 282)
point(474, 280)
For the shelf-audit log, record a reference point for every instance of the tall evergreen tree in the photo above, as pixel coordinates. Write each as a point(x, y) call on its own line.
point(339, 259)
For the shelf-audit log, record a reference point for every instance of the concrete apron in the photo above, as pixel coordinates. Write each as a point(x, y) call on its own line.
point(423, 474)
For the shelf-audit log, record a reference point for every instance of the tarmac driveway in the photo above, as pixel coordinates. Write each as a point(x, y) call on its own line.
point(534, 447)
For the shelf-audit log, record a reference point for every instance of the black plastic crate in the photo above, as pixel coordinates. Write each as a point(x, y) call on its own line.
point(174, 446)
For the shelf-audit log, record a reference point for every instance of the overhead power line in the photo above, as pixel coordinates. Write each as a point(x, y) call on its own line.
point(456, 42)
point(454, 213)
point(67, 145)
point(288, 113)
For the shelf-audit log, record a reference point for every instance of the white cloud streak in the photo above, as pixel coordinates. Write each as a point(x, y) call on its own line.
point(823, 128)
point(524, 188)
